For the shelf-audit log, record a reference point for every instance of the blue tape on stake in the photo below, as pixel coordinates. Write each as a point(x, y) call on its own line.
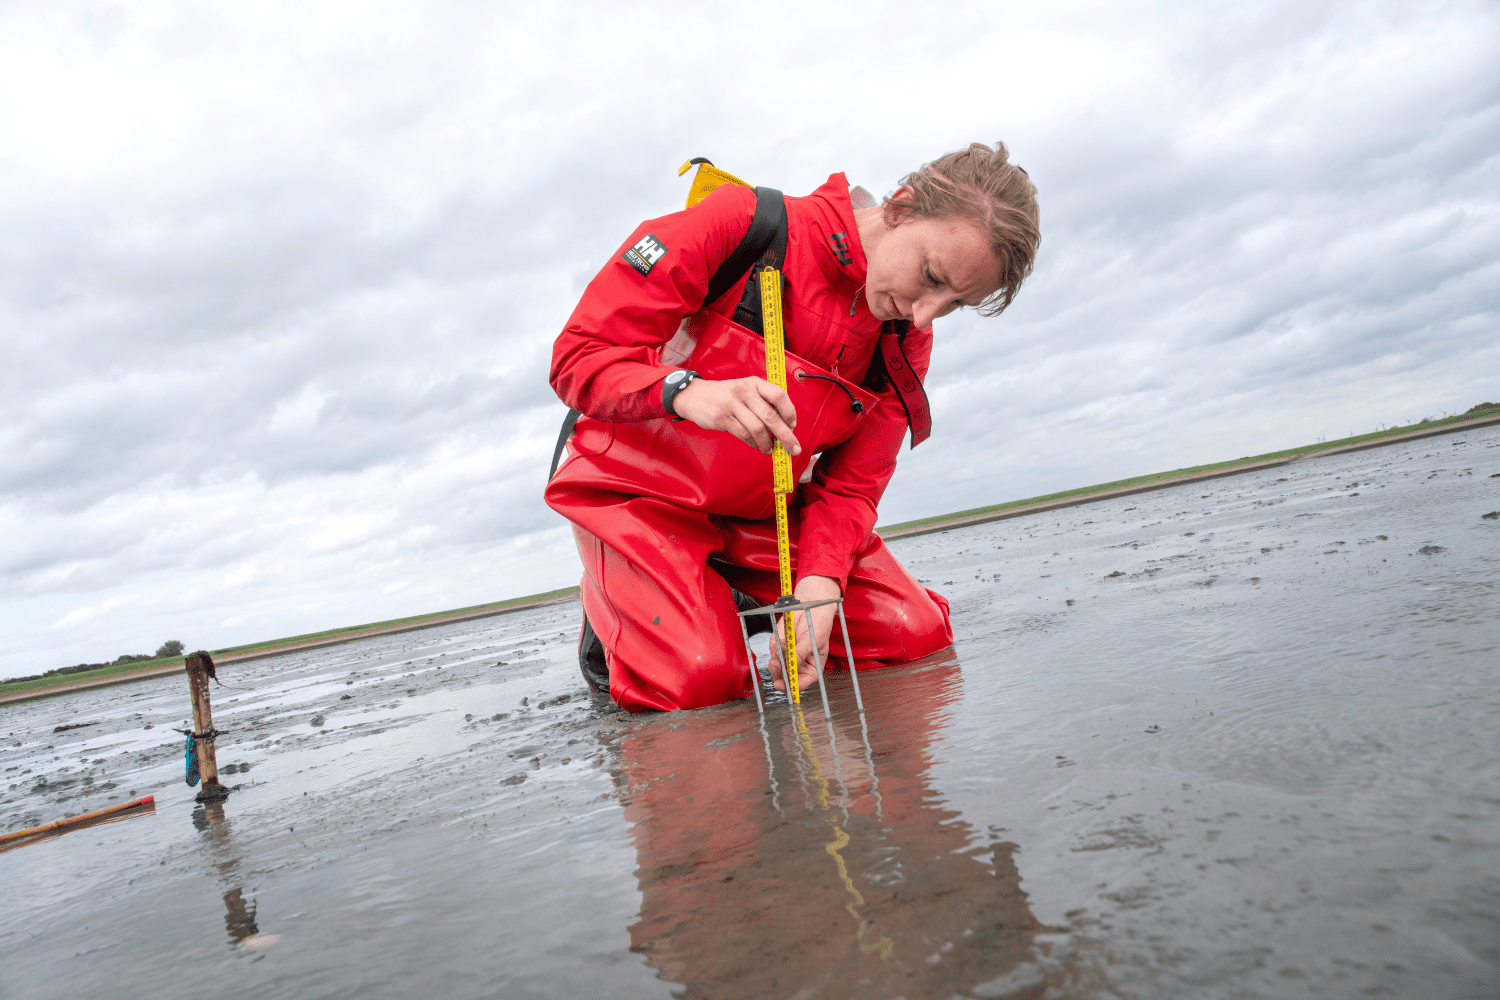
point(192, 761)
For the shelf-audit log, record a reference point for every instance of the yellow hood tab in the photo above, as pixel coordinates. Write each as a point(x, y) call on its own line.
point(706, 179)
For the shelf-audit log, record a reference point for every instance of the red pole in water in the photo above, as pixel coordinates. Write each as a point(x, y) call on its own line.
point(62, 824)
point(200, 667)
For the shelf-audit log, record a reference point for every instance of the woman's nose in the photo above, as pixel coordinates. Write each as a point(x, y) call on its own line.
point(923, 312)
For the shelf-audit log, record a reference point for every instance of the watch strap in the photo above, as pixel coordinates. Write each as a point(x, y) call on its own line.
point(670, 387)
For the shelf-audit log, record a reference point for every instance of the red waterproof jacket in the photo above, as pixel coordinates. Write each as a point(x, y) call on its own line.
point(608, 364)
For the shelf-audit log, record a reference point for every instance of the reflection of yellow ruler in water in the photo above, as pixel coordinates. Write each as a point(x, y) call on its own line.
point(781, 464)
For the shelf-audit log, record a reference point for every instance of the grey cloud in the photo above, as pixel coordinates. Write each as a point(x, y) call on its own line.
point(281, 345)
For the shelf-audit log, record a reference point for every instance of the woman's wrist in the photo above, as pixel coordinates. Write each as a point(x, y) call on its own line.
point(818, 588)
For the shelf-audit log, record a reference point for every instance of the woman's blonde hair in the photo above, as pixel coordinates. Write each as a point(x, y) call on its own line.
point(982, 185)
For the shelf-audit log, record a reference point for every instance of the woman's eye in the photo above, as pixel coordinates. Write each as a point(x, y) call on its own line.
point(931, 278)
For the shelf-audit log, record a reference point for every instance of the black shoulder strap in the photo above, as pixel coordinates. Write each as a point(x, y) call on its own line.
point(767, 232)
point(773, 254)
point(562, 440)
point(764, 243)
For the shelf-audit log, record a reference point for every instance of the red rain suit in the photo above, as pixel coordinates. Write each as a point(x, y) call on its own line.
point(668, 515)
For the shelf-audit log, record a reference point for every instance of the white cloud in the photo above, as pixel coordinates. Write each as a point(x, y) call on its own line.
point(280, 280)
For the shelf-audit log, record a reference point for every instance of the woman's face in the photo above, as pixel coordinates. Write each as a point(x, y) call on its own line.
point(920, 269)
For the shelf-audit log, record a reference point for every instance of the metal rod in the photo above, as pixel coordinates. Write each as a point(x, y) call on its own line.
point(777, 629)
point(818, 665)
point(765, 737)
point(754, 673)
point(870, 763)
point(849, 655)
point(833, 740)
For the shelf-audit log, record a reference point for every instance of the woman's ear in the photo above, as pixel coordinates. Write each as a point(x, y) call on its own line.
point(894, 215)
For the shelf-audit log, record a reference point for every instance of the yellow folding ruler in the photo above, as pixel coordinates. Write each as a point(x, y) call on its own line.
point(782, 482)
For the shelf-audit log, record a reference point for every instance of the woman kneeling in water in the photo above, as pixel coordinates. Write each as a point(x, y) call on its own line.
point(667, 481)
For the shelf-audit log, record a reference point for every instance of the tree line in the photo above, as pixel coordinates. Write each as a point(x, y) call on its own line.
point(172, 647)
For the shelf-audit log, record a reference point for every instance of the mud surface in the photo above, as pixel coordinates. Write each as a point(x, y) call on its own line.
point(1235, 739)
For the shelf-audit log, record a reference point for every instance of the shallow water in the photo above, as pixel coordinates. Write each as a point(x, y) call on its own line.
point(1232, 739)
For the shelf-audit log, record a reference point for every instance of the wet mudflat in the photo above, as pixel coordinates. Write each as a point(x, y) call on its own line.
point(1233, 739)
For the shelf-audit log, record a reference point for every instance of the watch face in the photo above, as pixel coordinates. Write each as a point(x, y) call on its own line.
point(676, 377)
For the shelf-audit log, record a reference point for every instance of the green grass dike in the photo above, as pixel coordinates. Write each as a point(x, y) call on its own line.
point(113, 670)
point(1483, 414)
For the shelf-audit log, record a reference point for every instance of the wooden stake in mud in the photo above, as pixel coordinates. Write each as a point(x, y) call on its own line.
point(200, 669)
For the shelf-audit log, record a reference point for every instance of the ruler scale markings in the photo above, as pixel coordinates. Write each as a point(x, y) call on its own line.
point(781, 462)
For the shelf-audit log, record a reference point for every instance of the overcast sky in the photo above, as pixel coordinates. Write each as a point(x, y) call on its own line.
point(280, 280)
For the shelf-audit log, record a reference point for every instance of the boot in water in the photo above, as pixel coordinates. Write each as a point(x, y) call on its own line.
point(754, 624)
point(591, 659)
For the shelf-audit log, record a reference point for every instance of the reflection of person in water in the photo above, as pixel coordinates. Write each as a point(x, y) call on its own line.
point(842, 877)
point(239, 915)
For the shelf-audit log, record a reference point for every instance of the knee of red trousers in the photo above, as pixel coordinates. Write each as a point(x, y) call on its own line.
point(900, 620)
point(672, 683)
point(895, 624)
point(662, 656)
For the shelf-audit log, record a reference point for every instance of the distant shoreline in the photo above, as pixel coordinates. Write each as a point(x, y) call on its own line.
point(32, 690)
point(107, 677)
point(1161, 480)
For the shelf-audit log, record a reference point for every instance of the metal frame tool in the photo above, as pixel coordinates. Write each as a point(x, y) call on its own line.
point(782, 484)
point(786, 609)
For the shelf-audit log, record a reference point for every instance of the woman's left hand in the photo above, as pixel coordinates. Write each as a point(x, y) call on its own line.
point(810, 588)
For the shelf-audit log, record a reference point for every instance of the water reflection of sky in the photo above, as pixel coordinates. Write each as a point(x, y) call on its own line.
point(1232, 739)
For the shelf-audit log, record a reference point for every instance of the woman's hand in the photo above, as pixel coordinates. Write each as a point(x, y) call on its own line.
point(811, 588)
point(751, 409)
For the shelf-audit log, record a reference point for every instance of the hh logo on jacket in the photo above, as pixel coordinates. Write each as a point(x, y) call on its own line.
point(840, 243)
point(644, 255)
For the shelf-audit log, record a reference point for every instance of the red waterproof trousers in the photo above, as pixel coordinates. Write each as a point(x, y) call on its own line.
point(656, 588)
point(669, 516)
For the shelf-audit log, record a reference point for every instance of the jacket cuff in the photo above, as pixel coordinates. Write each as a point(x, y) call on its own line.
point(821, 564)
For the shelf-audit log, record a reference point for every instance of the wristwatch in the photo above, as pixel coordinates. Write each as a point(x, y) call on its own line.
point(672, 385)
